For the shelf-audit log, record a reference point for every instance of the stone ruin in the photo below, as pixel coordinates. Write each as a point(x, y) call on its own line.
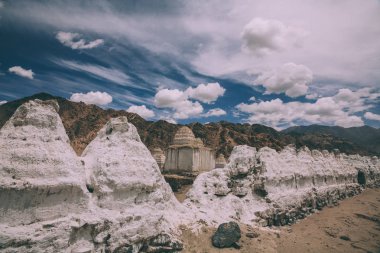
point(114, 199)
point(188, 154)
point(277, 188)
point(41, 177)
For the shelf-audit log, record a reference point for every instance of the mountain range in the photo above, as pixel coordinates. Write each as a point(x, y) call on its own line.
point(82, 122)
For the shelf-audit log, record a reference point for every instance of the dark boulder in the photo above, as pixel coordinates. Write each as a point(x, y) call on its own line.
point(227, 235)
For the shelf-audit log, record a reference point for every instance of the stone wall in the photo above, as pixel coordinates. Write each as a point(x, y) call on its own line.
point(276, 188)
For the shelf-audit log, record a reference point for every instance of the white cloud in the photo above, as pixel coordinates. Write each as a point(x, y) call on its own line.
point(206, 93)
point(355, 101)
point(109, 74)
point(20, 71)
point(336, 110)
point(261, 36)
point(168, 98)
point(92, 97)
point(253, 99)
point(215, 113)
point(197, 34)
point(142, 111)
point(3, 102)
point(178, 101)
point(290, 78)
point(372, 116)
point(74, 41)
point(311, 96)
point(186, 109)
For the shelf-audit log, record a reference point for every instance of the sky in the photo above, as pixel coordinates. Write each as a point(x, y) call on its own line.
point(277, 63)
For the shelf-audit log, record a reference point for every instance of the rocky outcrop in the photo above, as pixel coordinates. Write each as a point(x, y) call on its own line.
point(112, 199)
point(276, 188)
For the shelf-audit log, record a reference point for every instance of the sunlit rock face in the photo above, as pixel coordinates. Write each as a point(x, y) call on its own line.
point(41, 177)
point(276, 188)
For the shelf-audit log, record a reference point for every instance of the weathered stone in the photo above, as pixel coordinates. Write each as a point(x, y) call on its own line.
point(252, 235)
point(226, 235)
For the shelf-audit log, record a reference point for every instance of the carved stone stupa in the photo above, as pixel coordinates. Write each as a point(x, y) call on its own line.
point(220, 161)
point(159, 156)
point(188, 154)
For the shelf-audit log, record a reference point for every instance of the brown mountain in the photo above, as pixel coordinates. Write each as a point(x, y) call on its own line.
point(82, 122)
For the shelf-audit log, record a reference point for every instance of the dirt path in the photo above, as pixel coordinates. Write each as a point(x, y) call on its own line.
point(353, 226)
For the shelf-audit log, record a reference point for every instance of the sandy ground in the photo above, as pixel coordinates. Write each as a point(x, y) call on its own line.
point(181, 194)
point(352, 226)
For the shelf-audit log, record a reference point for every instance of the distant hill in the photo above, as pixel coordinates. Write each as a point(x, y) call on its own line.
point(365, 137)
point(82, 122)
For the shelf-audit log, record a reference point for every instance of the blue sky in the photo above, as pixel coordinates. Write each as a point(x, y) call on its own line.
point(278, 63)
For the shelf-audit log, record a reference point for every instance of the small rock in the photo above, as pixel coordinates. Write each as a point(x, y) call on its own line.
point(252, 235)
point(226, 235)
point(345, 238)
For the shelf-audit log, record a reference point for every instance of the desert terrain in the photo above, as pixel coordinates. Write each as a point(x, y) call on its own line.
point(351, 226)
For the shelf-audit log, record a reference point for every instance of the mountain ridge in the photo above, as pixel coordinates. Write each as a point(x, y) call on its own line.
point(82, 122)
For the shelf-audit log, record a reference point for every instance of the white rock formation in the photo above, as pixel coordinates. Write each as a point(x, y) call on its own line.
point(45, 206)
point(277, 188)
point(41, 177)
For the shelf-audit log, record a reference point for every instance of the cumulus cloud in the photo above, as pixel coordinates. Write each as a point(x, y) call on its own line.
point(180, 102)
point(355, 101)
point(372, 116)
point(290, 78)
point(215, 113)
point(206, 93)
point(3, 102)
point(142, 111)
point(20, 71)
point(186, 109)
point(167, 98)
point(261, 36)
point(336, 110)
point(74, 41)
point(92, 97)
